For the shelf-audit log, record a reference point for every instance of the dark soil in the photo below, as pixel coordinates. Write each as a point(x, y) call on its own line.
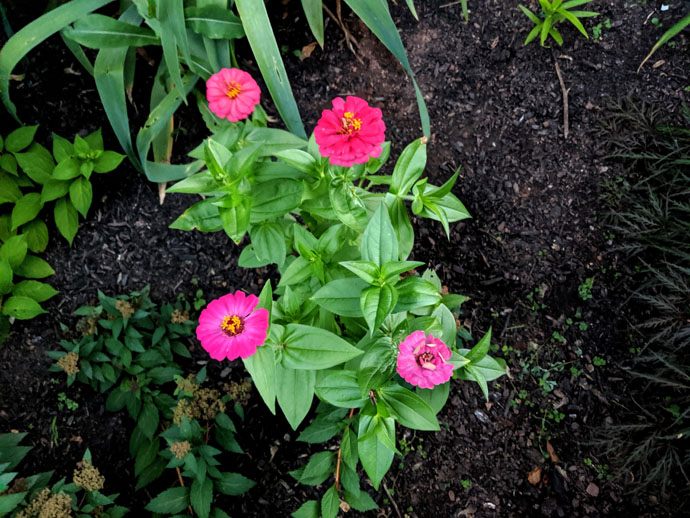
point(535, 237)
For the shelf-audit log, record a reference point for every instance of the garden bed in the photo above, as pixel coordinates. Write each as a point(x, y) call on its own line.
point(536, 237)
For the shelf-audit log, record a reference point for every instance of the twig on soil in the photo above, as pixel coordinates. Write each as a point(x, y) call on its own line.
point(390, 497)
point(565, 91)
point(349, 38)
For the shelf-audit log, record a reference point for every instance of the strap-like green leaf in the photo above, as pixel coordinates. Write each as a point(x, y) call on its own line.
point(109, 73)
point(375, 14)
point(261, 39)
point(314, 13)
point(97, 31)
point(37, 31)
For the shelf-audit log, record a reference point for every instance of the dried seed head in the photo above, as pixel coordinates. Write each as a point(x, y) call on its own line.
point(125, 308)
point(239, 392)
point(88, 477)
point(188, 385)
point(69, 363)
point(208, 403)
point(180, 449)
point(86, 326)
point(179, 317)
point(45, 505)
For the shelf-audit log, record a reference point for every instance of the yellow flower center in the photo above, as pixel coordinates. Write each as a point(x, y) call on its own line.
point(350, 124)
point(234, 89)
point(232, 325)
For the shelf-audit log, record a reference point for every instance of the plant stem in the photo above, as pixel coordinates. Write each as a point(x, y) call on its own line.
point(340, 456)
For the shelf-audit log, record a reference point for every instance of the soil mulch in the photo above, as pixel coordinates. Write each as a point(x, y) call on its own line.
point(536, 235)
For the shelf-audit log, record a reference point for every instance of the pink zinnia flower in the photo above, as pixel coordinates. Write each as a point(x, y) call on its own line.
point(422, 360)
point(351, 132)
point(231, 326)
point(232, 94)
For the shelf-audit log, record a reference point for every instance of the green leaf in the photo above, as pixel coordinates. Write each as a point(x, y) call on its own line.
point(22, 308)
point(297, 271)
point(408, 408)
point(330, 503)
point(215, 22)
point(341, 296)
point(339, 388)
point(201, 496)
point(33, 267)
point(36, 290)
point(268, 239)
point(67, 169)
point(6, 276)
point(377, 365)
point(321, 430)
point(62, 148)
point(379, 243)
point(415, 293)
point(170, 501)
point(295, 392)
point(402, 226)
point(262, 368)
point(203, 216)
point(314, 14)
point(26, 209)
point(447, 320)
point(260, 35)
point(80, 194)
point(8, 163)
point(300, 160)
point(54, 189)
point(66, 219)
point(20, 138)
point(436, 398)
point(317, 470)
point(97, 31)
point(375, 456)
point(409, 167)
point(9, 502)
point(480, 350)
point(14, 251)
point(107, 161)
point(347, 204)
point(109, 74)
point(377, 302)
point(273, 199)
point(309, 509)
point(9, 190)
point(148, 419)
point(365, 270)
point(233, 484)
point(36, 162)
point(36, 233)
point(391, 271)
point(313, 348)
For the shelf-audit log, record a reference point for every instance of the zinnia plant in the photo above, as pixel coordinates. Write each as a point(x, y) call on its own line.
point(350, 320)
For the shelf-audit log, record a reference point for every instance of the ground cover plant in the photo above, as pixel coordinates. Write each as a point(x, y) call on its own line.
point(538, 265)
